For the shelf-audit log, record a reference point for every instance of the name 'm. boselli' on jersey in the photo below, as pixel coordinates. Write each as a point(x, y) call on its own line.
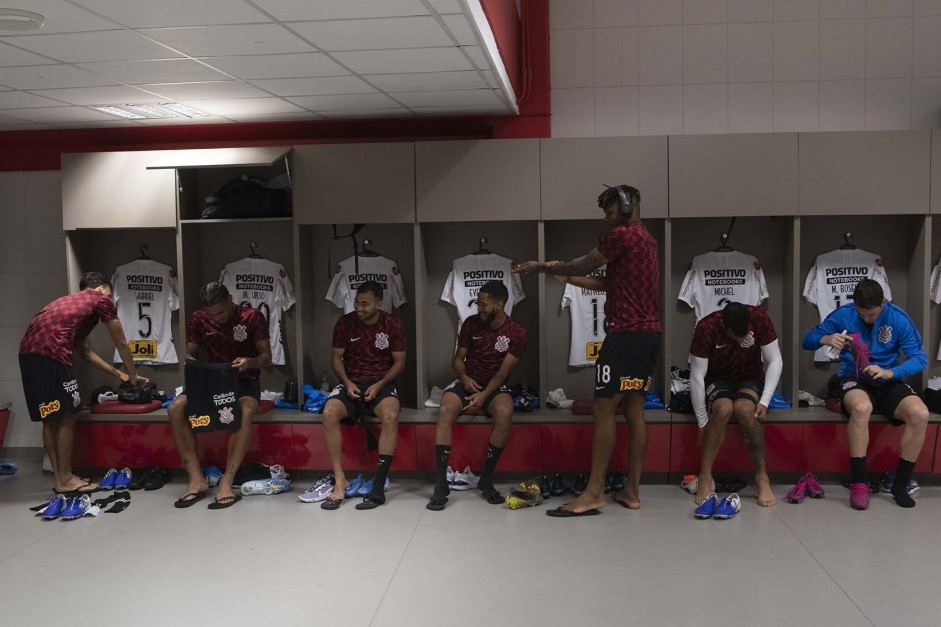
point(145, 293)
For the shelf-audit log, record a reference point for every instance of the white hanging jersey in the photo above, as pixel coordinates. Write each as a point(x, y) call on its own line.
point(470, 272)
point(934, 290)
point(717, 278)
point(342, 290)
point(264, 285)
point(587, 307)
point(144, 292)
point(833, 278)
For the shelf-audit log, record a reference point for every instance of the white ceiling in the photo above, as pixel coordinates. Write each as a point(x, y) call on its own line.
point(250, 61)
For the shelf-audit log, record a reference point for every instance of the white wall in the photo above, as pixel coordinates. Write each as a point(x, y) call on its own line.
point(32, 273)
point(659, 67)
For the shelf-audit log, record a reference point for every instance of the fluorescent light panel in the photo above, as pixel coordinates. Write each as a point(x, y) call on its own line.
point(151, 111)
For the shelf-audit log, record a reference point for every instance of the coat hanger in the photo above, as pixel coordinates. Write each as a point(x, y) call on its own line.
point(480, 247)
point(253, 254)
point(847, 245)
point(143, 252)
point(724, 246)
point(367, 251)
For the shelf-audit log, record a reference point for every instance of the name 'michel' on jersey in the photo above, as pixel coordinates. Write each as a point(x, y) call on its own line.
point(715, 279)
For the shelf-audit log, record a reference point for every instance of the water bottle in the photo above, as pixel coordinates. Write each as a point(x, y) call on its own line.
point(324, 383)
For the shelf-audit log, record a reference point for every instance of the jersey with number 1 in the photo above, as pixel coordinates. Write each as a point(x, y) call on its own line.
point(470, 272)
point(831, 282)
point(587, 307)
point(716, 278)
point(264, 285)
point(145, 292)
point(350, 275)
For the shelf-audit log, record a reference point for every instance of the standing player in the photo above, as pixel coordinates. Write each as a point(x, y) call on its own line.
point(629, 353)
point(873, 332)
point(726, 377)
point(488, 346)
point(50, 387)
point(368, 355)
point(230, 333)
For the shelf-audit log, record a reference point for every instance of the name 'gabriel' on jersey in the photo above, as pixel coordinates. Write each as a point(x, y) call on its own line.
point(145, 294)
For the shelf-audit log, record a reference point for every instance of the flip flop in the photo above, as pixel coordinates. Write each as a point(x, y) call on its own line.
point(561, 512)
point(436, 505)
point(370, 502)
point(224, 502)
point(331, 504)
point(190, 499)
point(80, 490)
point(493, 496)
point(7, 468)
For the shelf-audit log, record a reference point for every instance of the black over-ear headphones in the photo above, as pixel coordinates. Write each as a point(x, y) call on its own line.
point(624, 195)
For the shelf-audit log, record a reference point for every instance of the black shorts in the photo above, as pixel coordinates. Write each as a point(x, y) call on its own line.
point(885, 397)
point(724, 388)
point(245, 387)
point(50, 388)
point(626, 363)
point(357, 409)
point(458, 390)
point(214, 392)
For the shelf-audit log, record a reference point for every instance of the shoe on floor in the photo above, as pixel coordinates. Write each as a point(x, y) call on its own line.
point(580, 484)
point(889, 481)
point(529, 494)
point(107, 482)
point(449, 475)
point(213, 475)
point(7, 468)
point(814, 489)
point(728, 507)
point(558, 486)
point(156, 478)
point(859, 496)
point(123, 479)
point(278, 472)
point(321, 489)
point(353, 486)
point(798, 492)
point(54, 508)
point(265, 486)
point(366, 487)
point(707, 508)
point(76, 508)
point(545, 486)
point(464, 480)
point(47, 465)
point(618, 480)
point(690, 483)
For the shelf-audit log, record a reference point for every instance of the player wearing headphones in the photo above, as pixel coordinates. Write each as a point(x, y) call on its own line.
point(726, 378)
point(629, 353)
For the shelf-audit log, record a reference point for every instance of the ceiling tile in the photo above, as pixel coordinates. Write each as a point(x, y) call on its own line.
point(215, 119)
point(244, 106)
point(477, 55)
point(464, 97)
point(63, 17)
point(50, 77)
point(51, 115)
point(461, 28)
point(382, 34)
point(9, 124)
point(23, 100)
point(424, 81)
point(203, 41)
point(451, 111)
point(155, 71)
point(176, 12)
point(205, 91)
point(367, 113)
point(291, 10)
point(110, 45)
point(404, 61)
point(119, 94)
point(303, 65)
point(315, 86)
point(11, 57)
point(345, 102)
point(446, 6)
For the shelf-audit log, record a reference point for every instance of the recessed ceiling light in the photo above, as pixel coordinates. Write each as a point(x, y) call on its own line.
point(182, 109)
point(121, 113)
point(19, 20)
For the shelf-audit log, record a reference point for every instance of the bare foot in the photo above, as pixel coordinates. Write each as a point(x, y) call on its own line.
point(339, 490)
point(628, 497)
point(195, 487)
point(585, 502)
point(765, 495)
point(706, 487)
point(75, 484)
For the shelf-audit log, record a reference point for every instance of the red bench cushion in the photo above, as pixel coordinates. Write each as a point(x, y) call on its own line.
point(583, 408)
point(117, 407)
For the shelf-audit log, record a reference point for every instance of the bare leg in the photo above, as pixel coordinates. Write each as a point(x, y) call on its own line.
point(63, 440)
point(754, 434)
point(636, 449)
point(859, 406)
point(238, 446)
point(602, 446)
point(713, 436)
point(333, 412)
point(185, 441)
point(447, 414)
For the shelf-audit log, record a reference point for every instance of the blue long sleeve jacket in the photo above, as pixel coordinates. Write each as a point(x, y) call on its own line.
point(892, 332)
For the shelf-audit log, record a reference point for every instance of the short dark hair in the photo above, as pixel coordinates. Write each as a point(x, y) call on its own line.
point(91, 280)
point(868, 294)
point(212, 293)
point(370, 287)
point(736, 318)
point(496, 290)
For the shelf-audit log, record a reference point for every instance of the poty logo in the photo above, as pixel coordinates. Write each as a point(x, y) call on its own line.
point(633, 384)
point(885, 334)
point(226, 416)
point(503, 343)
point(199, 421)
point(240, 333)
point(382, 341)
point(48, 408)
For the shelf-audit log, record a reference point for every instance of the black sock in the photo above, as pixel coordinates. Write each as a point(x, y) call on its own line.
point(486, 477)
point(111, 499)
point(119, 506)
point(858, 469)
point(900, 487)
point(442, 454)
point(382, 471)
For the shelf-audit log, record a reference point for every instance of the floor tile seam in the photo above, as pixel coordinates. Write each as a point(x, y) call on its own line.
point(824, 569)
point(395, 571)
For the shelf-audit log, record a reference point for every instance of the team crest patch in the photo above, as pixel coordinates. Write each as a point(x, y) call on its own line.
point(225, 415)
point(885, 334)
point(848, 385)
point(240, 333)
point(749, 340)
point(382, 341)
point(503, 343)
point(76, 399)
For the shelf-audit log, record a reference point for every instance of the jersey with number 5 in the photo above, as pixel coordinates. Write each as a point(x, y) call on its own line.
point(145, 292)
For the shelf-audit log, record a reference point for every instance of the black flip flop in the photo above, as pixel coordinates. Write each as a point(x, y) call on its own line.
point(79, 491)
point(371, 502)
point(224, 502)
point(561, 512)
point(190, 499)
point(436, 505)
point(493, 496)
point(331, 504)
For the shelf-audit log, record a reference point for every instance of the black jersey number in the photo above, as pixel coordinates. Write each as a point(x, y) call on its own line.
point(144, 317)
point(263, 308)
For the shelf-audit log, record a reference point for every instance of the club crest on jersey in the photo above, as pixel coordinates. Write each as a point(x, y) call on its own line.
point(503, 343)
point(240, 333)
point(76, 399)
point(749, 340)
point(226, 416)
point(885, 334)
point(382, 341)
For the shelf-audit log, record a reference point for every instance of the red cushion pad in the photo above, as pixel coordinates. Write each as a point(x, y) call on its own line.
point(583, 407)
point(264, 407)
point(117, 407)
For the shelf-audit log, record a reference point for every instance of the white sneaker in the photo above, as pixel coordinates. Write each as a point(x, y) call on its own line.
point(464, 480)
point(265, 486)
point(47, 465)
point(319, 491)
point(278, 472)
point(690, 483)
point(557, 398)
point(450, 476)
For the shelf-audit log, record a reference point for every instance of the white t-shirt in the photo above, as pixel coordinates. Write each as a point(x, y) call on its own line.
point(716, 278)
point(470, 272)
point(832, 280)
point(587, 307)
point(264, 285)
point(934, 290)
point(346, 280)
point(144, 293)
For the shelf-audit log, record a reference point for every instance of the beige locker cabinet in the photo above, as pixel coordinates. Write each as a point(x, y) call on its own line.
point(869, 172)
point(351, 183)
point(733, 175)
point(107, 190)
point(574, 172)
point(470, 181)
point(936, 172)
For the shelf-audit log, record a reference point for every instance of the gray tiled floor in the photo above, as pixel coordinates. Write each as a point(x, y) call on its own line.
point(275, 561)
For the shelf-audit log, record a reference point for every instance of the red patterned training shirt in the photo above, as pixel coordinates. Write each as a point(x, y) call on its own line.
point(729, 360)
point(227, 341)
point(633, 281)
point(487, 347)
point(65, 323)
point(368, 349)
